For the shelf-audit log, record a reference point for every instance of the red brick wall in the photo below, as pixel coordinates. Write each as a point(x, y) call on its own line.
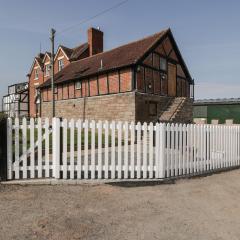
point(104, 81)
point(65, 91)
point(46, 95)
point(60, 92)
point(85, 92)
point(33, 84)
point(47, 60)
point(78, 93)
point(125, 80)
point(65, 61)
point(113, 81)
point(93, 86)
point(71, 89)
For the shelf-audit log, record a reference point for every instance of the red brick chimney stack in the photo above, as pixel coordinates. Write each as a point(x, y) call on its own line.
point(95, 41)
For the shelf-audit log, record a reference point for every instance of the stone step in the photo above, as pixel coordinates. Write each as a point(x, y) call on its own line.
point(173, 109)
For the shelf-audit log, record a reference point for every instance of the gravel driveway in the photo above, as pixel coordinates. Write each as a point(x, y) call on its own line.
point(203, 208)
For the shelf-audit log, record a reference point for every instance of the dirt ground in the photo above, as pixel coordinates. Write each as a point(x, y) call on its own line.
point(203, 208)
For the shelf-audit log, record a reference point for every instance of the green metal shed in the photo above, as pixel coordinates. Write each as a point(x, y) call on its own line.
point(217, 109)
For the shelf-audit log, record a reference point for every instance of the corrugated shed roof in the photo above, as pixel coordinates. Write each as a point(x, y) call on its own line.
point(217, 101)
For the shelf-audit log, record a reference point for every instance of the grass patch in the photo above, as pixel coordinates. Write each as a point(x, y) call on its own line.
point(28, 140)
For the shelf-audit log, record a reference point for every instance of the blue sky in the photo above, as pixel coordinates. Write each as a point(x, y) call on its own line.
point(207, 33)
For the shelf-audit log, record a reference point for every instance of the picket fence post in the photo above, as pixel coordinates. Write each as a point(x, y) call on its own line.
point(9, 148)
point(56, 147)
point(161, 158)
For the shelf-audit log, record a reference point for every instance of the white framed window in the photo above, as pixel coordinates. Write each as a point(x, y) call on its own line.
point(36, 74)
point(47, 70)
point(78, 85)
point(60, 64)
point(163, 63)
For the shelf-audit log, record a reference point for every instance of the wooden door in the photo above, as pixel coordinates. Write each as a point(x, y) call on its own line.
point(172, 80)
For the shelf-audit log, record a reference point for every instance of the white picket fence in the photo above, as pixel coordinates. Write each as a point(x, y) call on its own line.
point(116, 150)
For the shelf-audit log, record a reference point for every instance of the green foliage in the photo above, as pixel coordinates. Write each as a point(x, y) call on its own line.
point(2, 115)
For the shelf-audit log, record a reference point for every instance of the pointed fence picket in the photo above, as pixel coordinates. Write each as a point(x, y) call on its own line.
point(108, 150)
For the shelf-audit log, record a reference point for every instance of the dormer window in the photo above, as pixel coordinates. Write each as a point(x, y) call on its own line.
point(47, 70)
point(36, 74)
point(60, 64)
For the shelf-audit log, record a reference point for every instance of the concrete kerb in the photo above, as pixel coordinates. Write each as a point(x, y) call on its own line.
point(117, 182)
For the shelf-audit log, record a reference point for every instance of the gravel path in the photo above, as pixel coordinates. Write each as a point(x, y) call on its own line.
point(203, 208)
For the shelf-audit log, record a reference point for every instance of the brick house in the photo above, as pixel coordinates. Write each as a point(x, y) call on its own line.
point(40, 69)
point(146, 80)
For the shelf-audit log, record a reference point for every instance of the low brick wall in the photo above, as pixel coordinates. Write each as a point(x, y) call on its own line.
point(109, 107)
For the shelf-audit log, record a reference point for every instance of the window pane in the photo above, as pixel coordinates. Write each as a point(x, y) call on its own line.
point(78, 85)
point(163, 64)
point(60, 64)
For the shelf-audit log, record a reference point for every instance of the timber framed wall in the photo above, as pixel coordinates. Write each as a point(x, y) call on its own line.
point(118, 81)
point(152, 73)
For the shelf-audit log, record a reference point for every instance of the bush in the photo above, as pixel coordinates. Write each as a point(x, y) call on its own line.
point(2, 116)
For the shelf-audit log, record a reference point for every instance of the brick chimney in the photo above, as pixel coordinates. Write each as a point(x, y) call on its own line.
point(95, 41)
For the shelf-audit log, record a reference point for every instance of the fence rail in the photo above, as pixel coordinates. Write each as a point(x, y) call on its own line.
point(117, 150)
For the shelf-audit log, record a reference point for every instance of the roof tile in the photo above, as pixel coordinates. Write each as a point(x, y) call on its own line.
point(122, 56)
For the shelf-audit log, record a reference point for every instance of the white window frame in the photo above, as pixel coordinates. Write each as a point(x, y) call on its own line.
point(78, 87)
point(60, 64)
point(47, 70)
point(36, 74)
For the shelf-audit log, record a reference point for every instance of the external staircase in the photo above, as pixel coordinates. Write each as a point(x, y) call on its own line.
point(172, 113)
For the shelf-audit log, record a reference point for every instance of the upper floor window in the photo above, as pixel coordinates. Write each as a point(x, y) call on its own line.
point(163, 64)
point(47, 70)
point(36, 74)
point(60, 64)
point(78, 85)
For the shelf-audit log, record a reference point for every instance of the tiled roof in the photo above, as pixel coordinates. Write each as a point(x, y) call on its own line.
point(74, 54)
point(39, 59)
point(49, 54)
point(116, 58)
point(78, 51)
point(67, 50)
